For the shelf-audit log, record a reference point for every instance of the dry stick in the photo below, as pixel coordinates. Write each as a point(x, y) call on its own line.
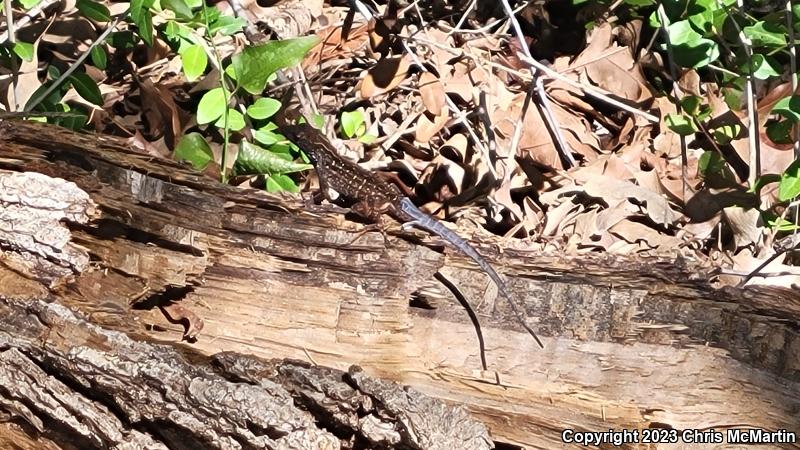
point(34, 101)
point(484, 29)
point(753, 138)
point(662, 16)
point(463, 19)
point(588, 89)
point(26, 19)
point(460, 115)
point(12, 39)
point(784, 245)
point(793, 68)
point(549, 119)
point(752, 113)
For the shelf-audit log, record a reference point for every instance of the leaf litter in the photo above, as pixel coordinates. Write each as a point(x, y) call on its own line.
point(457, 131)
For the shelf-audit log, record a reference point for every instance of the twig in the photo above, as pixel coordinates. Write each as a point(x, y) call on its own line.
point(460, 115)
point(12, 39)
point(34, 101)
point(752, 113)
point(547, 114)
point(587, 89)
point(793, 70)
point(662, 16)
point(27, 17)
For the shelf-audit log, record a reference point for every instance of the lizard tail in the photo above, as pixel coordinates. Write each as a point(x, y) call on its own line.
point(424, 221)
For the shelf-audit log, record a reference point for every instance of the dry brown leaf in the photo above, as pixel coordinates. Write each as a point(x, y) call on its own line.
point(532, 216)
point(559, 217)
point(744, 225)
point(612, 68)
point(466, 79)
point(586, 225)
point(635, 232)
point(610, 216)
point(535, 144)
point(427, 126)
point(387, 74)
point(432, 93)
point(655, 206)
point(606, 165)
point(503, 196)
point(457, 144)
point(162, 114)
point(690, 83)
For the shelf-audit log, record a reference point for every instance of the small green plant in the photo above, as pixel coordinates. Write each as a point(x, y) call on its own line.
point(354, 126)
point(237, 106)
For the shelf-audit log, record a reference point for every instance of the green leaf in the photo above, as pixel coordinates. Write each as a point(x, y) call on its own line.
point(179, 7)
point(93, 10)
point(194, 61)
point(763, 181)
point(789, 186)
point(317, 121)
point(680, 124)
point(48, 103)
point(99, 57)
point(780, 132)
point(212, 106)
point(194, 148)
point(267, 137)
point(77, 119)
point(28, 4)
point(766, 34)
point(710, 163)
point(207, 13)
point(695, 107)
point(235, 120)
point(86, 88)
point(255, 64)
point(788, 107)
point(763, 67)
point(689, 48)
point(253, 159)
point(263, 108)
point(353, 123)
point(776, 222)
point(143, 18)
point(227, 25)
point(281, 183)
point(24, 50)
point(231, 72)
point(367, 138)
point(122, 40)
point(724, 134)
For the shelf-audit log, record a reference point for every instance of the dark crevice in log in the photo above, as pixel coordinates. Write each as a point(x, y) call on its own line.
point(168, 295)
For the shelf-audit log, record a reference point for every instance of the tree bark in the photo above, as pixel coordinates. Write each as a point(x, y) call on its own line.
point(631, 343)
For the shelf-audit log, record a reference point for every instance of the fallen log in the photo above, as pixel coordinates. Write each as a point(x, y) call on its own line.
point(631, 344)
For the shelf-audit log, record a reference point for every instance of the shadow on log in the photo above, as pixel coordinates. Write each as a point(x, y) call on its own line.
point(636, 344)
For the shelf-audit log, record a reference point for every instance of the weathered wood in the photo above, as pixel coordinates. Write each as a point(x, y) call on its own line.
point(630, 344)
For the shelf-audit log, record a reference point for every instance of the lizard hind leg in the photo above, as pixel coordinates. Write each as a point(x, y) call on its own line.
point(364, 210)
